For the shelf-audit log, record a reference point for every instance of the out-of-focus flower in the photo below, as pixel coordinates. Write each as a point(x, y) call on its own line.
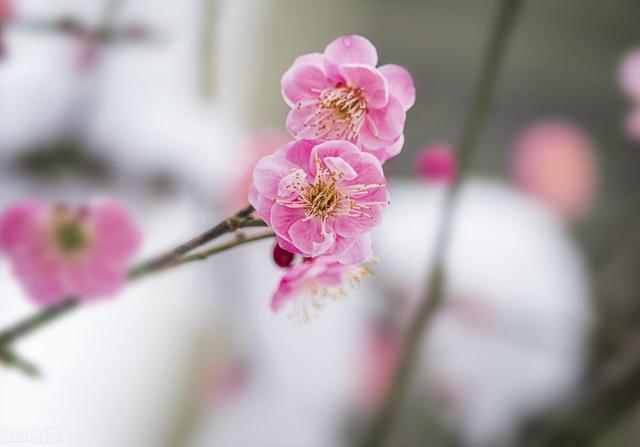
point(56, 252)
point(436, 163)
point(321, 199)
point(630, 84)
point(309, 286)
point(6, 14)
point(258, 145)
point(382, 352)
point(341, 95)
point(6, 10)
point(282, 258)
point(87, 51)
point(554, 162)
point(630, 74)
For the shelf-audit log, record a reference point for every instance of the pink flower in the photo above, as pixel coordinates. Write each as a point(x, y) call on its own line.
point(554, 162)
point(630, 85)
point(6, 14)
point(7, 11)
point(56, 252)
point(341, 95)
point(436, 163)
point(310, 285)
point(630, 75)
point(321, 199)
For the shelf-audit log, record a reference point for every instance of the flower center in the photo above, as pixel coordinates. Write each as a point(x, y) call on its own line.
point(322, 199)
point(70, 235)
point(340, 113)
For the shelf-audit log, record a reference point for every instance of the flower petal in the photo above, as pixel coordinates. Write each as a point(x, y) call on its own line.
point(304, 80)
point(400, 84)
point(269, 171)
point(307, 236)
point(352, 50)
point(373, 84)
point(339, 166)
point(383, 126)
point(282, 217)
point(360, 251)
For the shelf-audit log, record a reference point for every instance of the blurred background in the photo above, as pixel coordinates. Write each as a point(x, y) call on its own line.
point(166, 105)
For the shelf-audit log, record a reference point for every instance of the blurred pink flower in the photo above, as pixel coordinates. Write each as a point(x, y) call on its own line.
point(87, 52)
point(630, 84)
point(554, 161)
point(436, 162)
point(341, 95)
point(321, 199)
point(56, 252)
point(310, 285)
point(630, 75)
point(382, 352)
point(7, 11)
point(258, 145)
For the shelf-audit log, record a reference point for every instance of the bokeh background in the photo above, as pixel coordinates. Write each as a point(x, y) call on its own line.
point(542, 303)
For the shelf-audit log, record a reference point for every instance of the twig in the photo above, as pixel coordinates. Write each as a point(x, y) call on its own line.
point(484, 92)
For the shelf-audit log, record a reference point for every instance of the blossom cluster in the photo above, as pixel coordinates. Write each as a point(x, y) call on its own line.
point(324, 192)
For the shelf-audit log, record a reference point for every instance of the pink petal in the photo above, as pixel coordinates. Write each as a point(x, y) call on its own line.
point(340, 166)
point(333, 148)
point(383, 126)
point(291, 183)
point(116, 236)
point(298, 153)
point(371, 81)
point(307, 236)
point(297, 120)
point(359, 251)
point(400, 84)
point(269, 171)
point(352, 50)
point(282, 217)
point(304, 80)
point(261, 203)
point(353, 227)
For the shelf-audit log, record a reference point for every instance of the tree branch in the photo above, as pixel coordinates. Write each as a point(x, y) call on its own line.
point(481, 103)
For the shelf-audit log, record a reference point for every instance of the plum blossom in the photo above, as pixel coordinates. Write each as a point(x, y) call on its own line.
point(341, 95)
point(308, 287)
point(321, 199)
point(554, 162)
point(436, 163)
point(58, 251)
point(629, 77)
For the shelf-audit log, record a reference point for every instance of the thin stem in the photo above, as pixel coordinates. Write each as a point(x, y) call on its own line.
point(229, 225)
point(480, 106)
point(172, 258)
point(13, 360)
point(238, 241)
